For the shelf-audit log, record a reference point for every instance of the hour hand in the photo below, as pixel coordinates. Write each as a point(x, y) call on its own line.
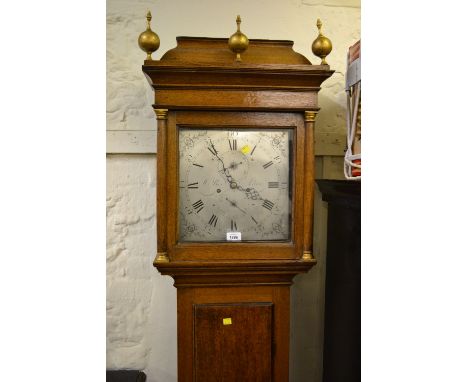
point(250, 192)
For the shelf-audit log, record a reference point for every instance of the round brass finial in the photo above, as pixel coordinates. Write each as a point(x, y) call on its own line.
point(238, 42)
point(322, 45)
point(148, 41)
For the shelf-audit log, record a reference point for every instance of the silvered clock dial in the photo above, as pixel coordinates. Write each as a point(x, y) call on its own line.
point(234, 181)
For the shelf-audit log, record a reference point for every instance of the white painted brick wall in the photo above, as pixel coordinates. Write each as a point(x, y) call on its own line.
point(141, 304)
point(139, 301)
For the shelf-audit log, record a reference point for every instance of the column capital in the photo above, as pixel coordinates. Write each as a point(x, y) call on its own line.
point(310, 116)
point(161, 113)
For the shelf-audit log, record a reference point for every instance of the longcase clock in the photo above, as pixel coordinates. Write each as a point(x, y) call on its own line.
point(234, 198)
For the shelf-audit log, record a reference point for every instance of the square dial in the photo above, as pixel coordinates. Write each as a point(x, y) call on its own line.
point(235, 184)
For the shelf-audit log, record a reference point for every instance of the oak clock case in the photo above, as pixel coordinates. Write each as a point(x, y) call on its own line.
point(234, 198)
point(235, 184)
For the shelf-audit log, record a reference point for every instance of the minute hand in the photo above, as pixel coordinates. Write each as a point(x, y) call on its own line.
point(250, 192)
point(232, 183)
point(225, 170)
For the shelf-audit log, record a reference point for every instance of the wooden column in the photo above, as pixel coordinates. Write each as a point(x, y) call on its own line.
point(309, 117)
point(161, 204)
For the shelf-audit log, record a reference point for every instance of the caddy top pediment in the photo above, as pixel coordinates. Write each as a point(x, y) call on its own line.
point(215, 51)
point(207, 68)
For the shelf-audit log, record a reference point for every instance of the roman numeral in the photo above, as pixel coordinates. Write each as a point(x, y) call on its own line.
point(276, 158)
point(213, 220)
point(192, 185)
point(256, 222)
point(233, 225)
point(233, 144)
point(253, 150)
point(198, 165)
point(267, 204)
point(273, 184)
point(266, 165)
point(198, 206)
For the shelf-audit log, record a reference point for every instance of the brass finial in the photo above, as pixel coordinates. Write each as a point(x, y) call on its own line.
point(322, 45)
point(148, 41)
point(238, 42)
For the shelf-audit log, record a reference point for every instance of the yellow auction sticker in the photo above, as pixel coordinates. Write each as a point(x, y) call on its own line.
point(227, 321)
point(245, 149)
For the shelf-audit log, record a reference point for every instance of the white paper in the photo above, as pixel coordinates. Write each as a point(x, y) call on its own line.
point(233, 236)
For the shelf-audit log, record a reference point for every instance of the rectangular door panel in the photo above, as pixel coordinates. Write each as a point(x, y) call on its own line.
point(233, 342)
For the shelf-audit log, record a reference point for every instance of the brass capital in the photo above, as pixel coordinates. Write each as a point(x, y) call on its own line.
point(307, 256)
point(161, 257)
point(161, 113)
point(309, 116)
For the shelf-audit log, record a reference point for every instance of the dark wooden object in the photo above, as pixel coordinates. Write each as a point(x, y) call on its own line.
point(342, 339)
point(199, 84)
point(125, 376)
